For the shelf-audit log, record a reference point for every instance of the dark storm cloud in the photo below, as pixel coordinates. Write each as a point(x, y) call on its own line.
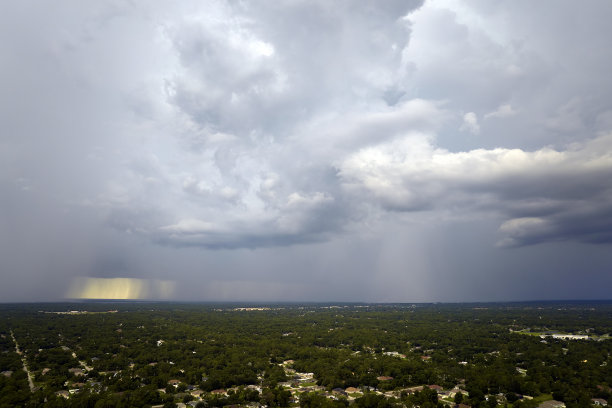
point(547, 195)
point(308, 145)
point(252, 167)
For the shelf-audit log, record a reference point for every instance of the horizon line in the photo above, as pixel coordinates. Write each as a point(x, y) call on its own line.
point(307, 302)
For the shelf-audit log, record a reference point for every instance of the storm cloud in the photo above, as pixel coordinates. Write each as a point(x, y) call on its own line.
point(306, 151)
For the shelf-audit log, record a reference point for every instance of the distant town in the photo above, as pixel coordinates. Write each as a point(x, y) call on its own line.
point(191, 355)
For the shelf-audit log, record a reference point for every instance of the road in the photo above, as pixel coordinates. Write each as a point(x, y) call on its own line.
point(81, 362)
point(23, 360)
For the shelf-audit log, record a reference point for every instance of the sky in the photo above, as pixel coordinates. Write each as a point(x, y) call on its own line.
point(397, 151)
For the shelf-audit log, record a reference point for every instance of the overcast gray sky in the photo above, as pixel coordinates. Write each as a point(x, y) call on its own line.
point(306, 150)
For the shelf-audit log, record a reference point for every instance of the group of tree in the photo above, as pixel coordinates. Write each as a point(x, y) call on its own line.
point(139, 349)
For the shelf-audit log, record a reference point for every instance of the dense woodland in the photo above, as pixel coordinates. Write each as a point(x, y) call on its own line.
point(147, 354)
